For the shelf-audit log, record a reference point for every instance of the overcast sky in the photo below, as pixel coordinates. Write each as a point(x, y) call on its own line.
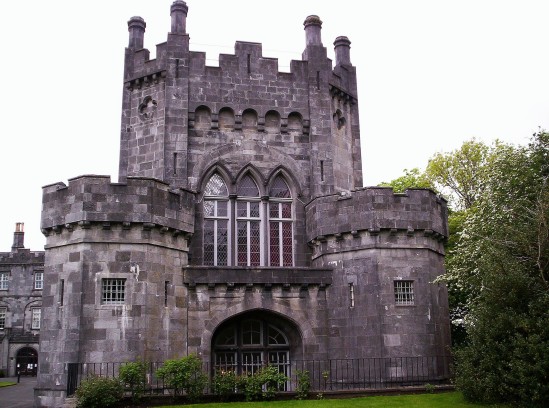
point(431, 74)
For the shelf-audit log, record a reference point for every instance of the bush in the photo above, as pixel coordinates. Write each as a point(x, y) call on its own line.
point(262, 384)
point(303, 384)
point(224, 383)
point(133, 376)
point(2, 373)
point(99, 392)
point(184, 375)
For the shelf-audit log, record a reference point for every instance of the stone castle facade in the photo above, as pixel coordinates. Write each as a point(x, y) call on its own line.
point(21, 284)
point(239, 228)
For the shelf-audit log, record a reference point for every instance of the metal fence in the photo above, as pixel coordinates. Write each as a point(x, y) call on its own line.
point(328, 375)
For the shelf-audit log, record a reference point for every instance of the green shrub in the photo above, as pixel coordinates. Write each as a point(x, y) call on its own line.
point(2, 373)
point(303, 384)
point(99, 392)
point(184, 375)
point(263, 384)
point(133, 377)
point(430, 388)
point(225, 383)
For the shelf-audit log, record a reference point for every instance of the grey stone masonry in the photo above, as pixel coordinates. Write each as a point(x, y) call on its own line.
point(21, 282)
point(239, 228)
point(374, 209)
point(94, 199)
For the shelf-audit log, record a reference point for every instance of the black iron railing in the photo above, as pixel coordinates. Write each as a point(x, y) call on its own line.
point(327, 375)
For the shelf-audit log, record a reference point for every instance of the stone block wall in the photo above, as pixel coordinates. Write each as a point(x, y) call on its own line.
point(372, 238)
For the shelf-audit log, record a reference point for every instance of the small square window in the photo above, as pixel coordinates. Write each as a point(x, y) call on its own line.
point(3, 313)
point(4, 281)
point(113, 291)
point(38, 280)
point(36, 314)
point(404, 292)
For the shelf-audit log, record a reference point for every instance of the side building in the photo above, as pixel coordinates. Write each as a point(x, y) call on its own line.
point(21, 283)
point(239, 228)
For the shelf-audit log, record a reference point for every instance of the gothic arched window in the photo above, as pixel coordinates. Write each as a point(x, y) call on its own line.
point(244, 229)
point(246, 345)
point(248, 223)
point(280, 224)
point(216, 222)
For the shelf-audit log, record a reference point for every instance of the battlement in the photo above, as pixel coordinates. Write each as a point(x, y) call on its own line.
point(174, 59)
point(22, 256)
point(375, 209)
point(94, 199)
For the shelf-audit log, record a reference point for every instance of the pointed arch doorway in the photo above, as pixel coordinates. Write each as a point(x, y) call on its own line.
point(251, 340)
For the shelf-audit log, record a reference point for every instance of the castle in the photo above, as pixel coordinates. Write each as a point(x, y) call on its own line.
point(21, 284)
point(239, 229)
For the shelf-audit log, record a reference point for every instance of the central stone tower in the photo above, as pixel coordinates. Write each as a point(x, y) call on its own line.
point(239, 229)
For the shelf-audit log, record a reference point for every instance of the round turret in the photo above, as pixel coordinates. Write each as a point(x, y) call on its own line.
point(136, 27)
point(178, 11)
point(342, 48)
point(313, 26)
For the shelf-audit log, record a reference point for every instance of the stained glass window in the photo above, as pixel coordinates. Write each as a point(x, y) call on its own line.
point(242, 229)
point(216, 222)
point(248, 224)
point(280, 224)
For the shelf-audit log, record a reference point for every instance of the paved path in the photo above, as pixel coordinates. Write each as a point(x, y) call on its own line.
point(19, 395)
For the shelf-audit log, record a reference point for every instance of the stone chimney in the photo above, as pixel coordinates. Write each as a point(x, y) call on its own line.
point(313, 27)
point(178, 12)
point(18, 236)
point(342, 48)
point(136, 27)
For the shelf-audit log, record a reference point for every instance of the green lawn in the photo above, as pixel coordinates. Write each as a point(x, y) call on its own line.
point(6, 383)
point(439, 400)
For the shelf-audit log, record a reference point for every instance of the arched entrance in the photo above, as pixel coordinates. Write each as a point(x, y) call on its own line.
point(247, 342)
point(26, 361)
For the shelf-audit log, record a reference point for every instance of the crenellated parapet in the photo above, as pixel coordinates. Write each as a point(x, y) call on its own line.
point(88, 200)
point(374, 211)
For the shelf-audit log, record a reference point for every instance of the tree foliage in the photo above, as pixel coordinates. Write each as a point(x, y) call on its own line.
point(134, 377)
point(460, 174)
point(414, 178)
point(501, 260)
point(184, 375)
point(99, 392)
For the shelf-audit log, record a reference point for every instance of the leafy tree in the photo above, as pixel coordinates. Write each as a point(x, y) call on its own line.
point(501, 259)
point(459, 174)
point(411, 179)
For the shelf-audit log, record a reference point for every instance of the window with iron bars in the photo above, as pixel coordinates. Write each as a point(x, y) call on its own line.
point(245, 346)
point(113, 291)
point(404, 292)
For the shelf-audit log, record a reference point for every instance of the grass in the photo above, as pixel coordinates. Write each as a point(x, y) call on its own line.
point(6, 383)
point(439, 400)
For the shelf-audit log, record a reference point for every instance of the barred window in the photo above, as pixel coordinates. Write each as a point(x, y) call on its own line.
point(404, 292)
point(3, 313)
point(36, 314)
point(113, 291)
point(38, 280)
point(4, 280)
